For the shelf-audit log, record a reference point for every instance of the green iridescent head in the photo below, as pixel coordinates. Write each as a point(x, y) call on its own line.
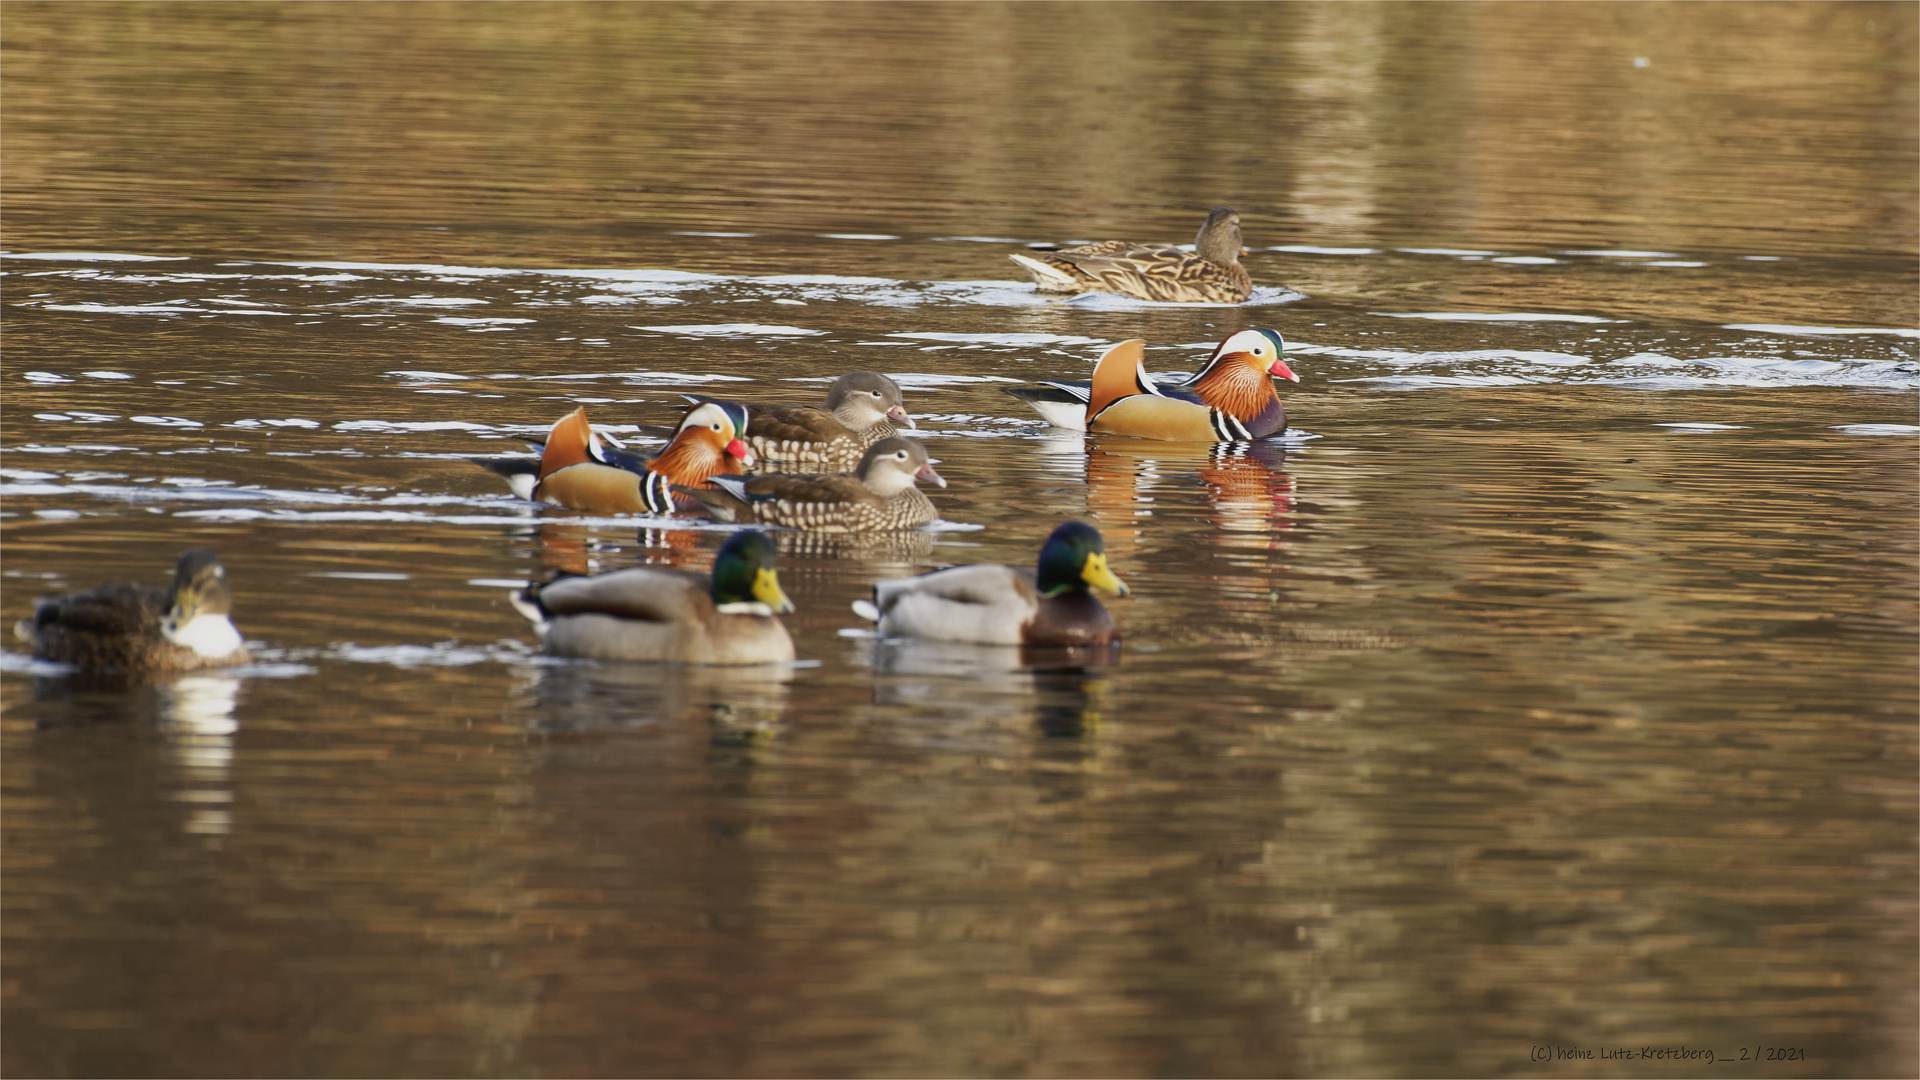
point(1074, 559)
point(743, 573)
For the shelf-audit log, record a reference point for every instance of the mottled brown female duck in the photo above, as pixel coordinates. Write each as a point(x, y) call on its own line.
point(140, 630)
point(1209, 274)
point(1001, 605)
point(879, 497)
point(862, 408)
point(650, 613)
point(1231, 399)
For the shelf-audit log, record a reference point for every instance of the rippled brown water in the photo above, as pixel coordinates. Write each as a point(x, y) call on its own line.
point(1557, 692)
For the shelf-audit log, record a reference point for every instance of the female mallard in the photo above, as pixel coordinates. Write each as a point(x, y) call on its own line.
point(1231, 399)
point(862, 408)
point(1001, 605)
point(879, 497)
point(579, 471)
point(647, 613)
point(1209, 274)
point(141, 630)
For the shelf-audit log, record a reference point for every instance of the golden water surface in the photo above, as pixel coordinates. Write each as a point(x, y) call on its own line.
point(1546, 704)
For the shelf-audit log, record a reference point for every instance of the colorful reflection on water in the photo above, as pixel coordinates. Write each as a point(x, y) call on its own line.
point(1552, 687)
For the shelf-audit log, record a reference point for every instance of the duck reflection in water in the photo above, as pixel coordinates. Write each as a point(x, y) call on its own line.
point(649, 639)
point(886, 553)
point(1058, 689)
point(1246, 483)
point(958, 624)
point(1248, 486)
point(194, 713)
point(574, 548)
point(735, 706)
point(1249, 496)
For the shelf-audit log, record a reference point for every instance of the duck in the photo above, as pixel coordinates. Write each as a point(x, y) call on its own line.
point(727, 617)
point(578, 470)
point(1209, 274)
point(991, 604)
point(879, 496)
point(141, 630)
point(862, 407)
point(1231, 399)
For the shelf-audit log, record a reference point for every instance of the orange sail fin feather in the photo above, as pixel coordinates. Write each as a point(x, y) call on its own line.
point(1121, 373)
point(1230, 400)
point(578, 471)
point(569, 442)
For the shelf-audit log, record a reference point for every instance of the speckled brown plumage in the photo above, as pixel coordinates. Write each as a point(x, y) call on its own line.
point(119, 627)
point(862, 408)
point(881, 497)
point(1210, 274)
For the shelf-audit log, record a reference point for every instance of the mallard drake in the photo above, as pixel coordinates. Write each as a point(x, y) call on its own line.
point(878, 497)
point(1209, 274)
point(1230, 399)
point(649, 613)
point(1001, 605)
point(862, 408)
point(578, 470)
point(140, 630)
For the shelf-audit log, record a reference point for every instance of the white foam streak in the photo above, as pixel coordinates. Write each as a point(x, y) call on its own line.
point(733, 330)
point(1813, 331)
point(1016, 340)
point(1493, 316)
point(1904, 431)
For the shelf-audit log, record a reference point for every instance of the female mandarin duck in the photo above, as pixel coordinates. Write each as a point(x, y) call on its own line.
point(579, 471)
point(878, 497)
point(140, 630)
point(648, 613)
point(862, 408)
point(1210, 274)
point(1001, 605)
point(1230, 399)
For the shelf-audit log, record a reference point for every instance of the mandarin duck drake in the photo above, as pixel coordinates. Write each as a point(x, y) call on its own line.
point(1231, 399)
point(993, 604)
point(862, 408)
point(141, 630)
point(1209, 274)
point(579, 471)
point(652, 613)
point(879, 496)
